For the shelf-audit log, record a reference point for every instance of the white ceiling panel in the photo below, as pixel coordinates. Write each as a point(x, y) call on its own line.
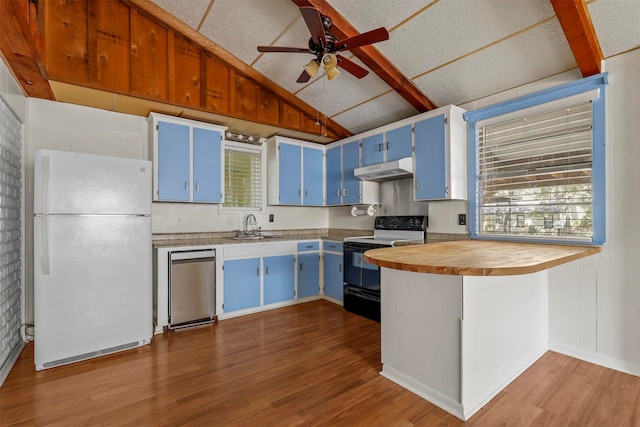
point(386, 109)
point(377, 13)
point(617, 24)
point(521, 59)
point(190, 12)
point(451, 29)
point(240, 26)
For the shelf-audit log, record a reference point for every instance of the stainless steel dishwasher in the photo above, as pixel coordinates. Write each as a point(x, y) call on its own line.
point(192, 288)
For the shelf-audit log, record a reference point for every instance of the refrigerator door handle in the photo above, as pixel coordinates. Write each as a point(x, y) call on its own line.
point(44, 195)
point(46, 165)
point(46, 266)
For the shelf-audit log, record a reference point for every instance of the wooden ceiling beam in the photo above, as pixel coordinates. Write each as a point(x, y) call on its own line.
point(372, 58)
point(20, 50)
point(578, 28)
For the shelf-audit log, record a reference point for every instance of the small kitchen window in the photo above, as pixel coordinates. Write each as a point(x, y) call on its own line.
point(537, 166)
point(242, 177)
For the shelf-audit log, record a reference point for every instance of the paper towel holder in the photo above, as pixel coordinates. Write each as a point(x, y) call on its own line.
point(362, 210)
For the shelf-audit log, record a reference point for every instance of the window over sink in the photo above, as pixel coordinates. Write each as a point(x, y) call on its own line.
point(243, 180)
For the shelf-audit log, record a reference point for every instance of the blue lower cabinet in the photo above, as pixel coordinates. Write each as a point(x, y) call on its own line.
point(333, 276)
point(279, 278)
point(241, 284)
point(308, 275)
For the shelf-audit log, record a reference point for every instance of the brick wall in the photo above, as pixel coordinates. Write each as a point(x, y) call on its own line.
point(10, 234)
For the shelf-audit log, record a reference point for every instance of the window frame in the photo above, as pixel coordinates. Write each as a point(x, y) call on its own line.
point(553, 97)
point(239, 146)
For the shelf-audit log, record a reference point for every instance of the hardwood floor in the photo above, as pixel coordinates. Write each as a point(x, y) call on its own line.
point(308, 364)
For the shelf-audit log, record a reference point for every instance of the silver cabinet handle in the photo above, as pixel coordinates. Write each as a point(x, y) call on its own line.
point(380, 147)
point(388, 145)
point(340, 268)
point(197, 186)
point(267, 270)
point(338, 192)
point(258, 271)
point(186, 185)
point(300, 266)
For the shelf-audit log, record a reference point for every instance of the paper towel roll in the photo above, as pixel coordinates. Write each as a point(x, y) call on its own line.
point(360, 211)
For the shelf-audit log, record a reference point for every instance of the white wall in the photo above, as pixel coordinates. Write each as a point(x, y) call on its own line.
point(594, 303)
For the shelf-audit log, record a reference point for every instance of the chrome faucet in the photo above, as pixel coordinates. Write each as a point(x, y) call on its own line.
point(249, 220)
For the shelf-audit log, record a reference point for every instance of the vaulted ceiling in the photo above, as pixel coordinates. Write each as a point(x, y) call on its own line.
point(439, 52)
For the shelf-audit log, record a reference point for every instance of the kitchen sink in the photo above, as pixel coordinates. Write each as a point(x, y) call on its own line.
point(250, 236)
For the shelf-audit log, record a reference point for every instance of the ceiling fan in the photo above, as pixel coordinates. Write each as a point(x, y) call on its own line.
point(325, 46)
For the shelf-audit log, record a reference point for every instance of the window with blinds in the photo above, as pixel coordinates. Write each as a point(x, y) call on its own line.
point(535, 175)
point(242, 178)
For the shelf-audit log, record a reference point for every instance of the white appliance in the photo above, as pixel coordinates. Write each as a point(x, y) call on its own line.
point(92, 256)
point(394, 169)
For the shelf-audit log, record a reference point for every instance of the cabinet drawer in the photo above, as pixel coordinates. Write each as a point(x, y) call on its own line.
point(308, 246)
point(329, 245)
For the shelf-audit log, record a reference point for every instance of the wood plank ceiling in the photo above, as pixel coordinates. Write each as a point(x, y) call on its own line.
point(134, 49)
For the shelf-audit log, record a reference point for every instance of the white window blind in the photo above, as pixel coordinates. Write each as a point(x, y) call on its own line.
point(243, 178)
point(535, 175)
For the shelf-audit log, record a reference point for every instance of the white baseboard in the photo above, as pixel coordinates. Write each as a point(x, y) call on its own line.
point(11, 360)
point(440, 400)
point(595, 358)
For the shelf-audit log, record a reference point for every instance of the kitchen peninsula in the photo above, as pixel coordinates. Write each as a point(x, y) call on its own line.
point(461, 320)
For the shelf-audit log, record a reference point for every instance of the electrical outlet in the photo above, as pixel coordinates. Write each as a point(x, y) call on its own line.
point(270, 217)
point(462, 219)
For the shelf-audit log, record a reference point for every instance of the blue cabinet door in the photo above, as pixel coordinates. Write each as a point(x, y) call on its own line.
point(308, 275)
point(334, 176)
point(241, 284)
point(399, 143)
point(430, 162)
point(313, 176)
point(279, 278)
point(373, 150)
point(350, 161)
point(333, 276)
point(290, 174)
point(174, 168)
point(207, 164)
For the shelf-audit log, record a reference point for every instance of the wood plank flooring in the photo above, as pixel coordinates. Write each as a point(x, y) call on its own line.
point(311, 364)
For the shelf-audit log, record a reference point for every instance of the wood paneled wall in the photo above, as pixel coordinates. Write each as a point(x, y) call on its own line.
point(113, 46)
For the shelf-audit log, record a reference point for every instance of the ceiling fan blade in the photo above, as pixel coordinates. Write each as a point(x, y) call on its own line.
point(304, 77)
point(314, 22)
point(351, 67)
point(283, 49)
point(373, 36)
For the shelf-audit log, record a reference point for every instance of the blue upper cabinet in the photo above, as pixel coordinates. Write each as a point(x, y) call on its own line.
point(174, 162)
point(295, 172)
point(334, 175)
point(440, 168)
point(350, 184)
point(399, 143)
point(290, 172)
point(313, 176)
point(373, 149)
point(187, 160)
point(207, 163)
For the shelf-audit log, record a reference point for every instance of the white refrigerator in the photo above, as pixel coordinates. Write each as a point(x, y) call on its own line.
point(92, 256)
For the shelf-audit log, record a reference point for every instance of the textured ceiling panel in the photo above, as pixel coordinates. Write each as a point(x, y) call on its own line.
point(450, 29)
point(609, 18)
point(239, 26)
point(189, 12)
point(516, 61)
point(388, 108)
point(377, 13)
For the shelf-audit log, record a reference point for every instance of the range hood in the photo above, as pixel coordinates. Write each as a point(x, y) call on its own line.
point(395, 169)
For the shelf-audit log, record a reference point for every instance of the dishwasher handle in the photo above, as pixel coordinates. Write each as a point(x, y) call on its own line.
point(182, 255)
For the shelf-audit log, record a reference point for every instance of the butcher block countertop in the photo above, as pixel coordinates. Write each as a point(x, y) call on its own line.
point(477, 257)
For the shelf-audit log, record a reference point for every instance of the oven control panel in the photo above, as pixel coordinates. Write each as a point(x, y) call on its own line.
point(402, 222)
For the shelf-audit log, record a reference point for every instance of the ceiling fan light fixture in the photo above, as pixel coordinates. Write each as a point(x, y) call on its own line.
point(312, 67)
point(329, 63)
